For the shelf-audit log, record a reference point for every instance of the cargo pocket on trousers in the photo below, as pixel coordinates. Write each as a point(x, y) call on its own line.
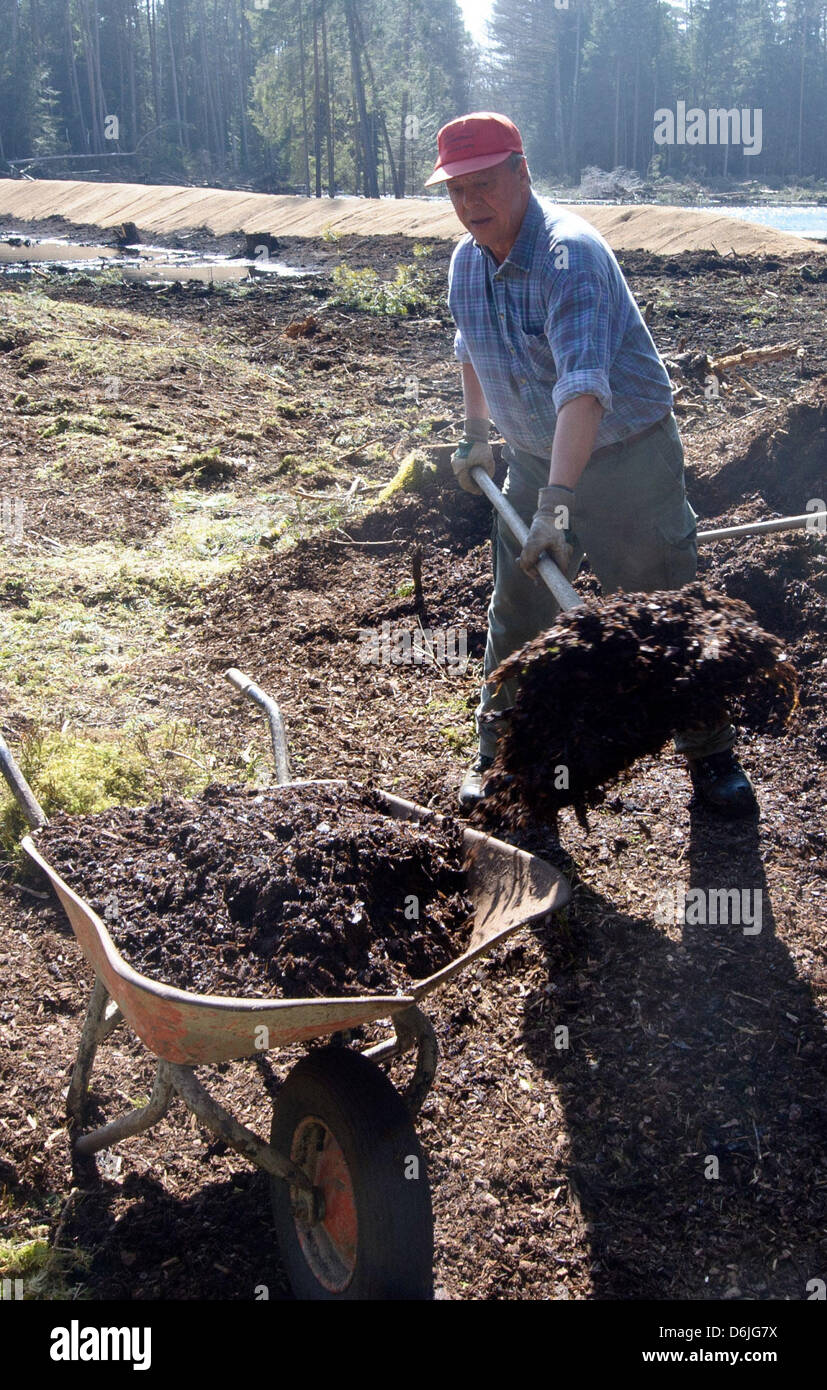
point(677, 526)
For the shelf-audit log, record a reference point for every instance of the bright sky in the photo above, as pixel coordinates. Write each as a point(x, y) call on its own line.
point(475, 13)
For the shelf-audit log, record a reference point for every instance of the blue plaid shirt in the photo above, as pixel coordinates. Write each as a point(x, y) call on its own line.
point(554, 321)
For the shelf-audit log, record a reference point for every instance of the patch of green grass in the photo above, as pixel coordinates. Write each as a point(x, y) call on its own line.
point(41, 1268)
point(459, 740)
point(460, 736)
point(82, 774)
point(290, 463)
point(76, 627)
point(363, 289)
point(83, 424)
point(209, 469)
point(116, 348)
point(288, 410)
point(22, 1258)
point(209, 533)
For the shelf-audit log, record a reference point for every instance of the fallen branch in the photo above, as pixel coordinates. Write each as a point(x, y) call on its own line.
point(751, 355)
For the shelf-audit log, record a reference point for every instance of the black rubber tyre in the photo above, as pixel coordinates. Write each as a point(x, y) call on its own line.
point(338, 1116)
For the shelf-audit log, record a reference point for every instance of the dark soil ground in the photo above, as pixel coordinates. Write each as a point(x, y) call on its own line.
point(564, 1164)
point(298, 892)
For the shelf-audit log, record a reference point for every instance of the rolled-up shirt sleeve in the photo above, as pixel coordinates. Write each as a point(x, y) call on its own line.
point(460, 350)
point(579, 333)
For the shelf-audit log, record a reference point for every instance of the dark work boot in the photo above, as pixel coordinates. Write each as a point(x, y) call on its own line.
point(721, 783)
point(471, 792)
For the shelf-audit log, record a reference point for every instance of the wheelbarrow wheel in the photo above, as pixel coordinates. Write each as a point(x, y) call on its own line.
point(368, 1231)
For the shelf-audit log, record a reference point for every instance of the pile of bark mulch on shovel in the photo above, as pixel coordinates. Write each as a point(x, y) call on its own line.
point(303, 891)
point(610, 682)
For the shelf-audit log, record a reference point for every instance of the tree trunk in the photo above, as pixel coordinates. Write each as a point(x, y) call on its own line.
point(303, 86)
point(153, 57)
point(73, 77)
point(317, 103)
point(133, 86)
point(367, 144)
point(575, 95)
point(173, 72)
point(91, 78)
point(801, 89)
point(558, 106)
point(243, 79)
point(635, 110)
point(328, 99)
point(617, 115)
point(403, 142)
point(380, 115)
point(406, 99)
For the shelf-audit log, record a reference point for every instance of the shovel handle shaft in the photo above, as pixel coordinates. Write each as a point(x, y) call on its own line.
point(810, 521)
point(552, 577)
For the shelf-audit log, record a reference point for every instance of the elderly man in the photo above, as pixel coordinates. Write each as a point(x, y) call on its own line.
point(554, 350)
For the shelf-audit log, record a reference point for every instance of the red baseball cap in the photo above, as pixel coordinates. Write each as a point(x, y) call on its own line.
point(474, 142)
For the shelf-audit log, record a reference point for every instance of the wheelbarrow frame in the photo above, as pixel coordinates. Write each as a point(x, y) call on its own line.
point(103, 1015)
point(509, 888)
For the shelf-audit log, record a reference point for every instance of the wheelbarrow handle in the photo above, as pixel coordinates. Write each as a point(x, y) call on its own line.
point(552, 577)
point(264, 701)
point(22, 792)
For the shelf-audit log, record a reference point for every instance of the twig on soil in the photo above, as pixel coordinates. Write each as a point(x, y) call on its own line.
point(45, 540)
point(313, 496)
point(64, 1216)
point(750, 390)
point(44, 897)
point(525, 1124)
point(429, 650)
point(349, 540)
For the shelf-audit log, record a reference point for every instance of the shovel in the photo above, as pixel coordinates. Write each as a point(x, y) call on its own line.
point(555, 580)
point(612, 681)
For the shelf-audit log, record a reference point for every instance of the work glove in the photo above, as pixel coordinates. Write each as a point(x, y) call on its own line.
point(473, 452)
point(550, 533)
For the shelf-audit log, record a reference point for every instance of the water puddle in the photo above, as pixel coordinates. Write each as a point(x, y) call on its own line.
point(804, 219)
point(148, 264)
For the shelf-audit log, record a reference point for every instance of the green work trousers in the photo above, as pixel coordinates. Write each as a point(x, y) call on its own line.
point(631, 516)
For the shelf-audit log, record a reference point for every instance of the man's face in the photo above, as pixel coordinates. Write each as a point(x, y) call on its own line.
point(491, 204)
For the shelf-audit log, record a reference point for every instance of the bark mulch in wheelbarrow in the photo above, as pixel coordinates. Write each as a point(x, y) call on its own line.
point(302, 891)
point(610, 682)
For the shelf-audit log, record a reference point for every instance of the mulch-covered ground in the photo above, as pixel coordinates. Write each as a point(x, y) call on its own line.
point(628, 1105)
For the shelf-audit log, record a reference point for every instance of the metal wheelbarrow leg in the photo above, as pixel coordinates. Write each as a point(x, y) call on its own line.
point(98, 1025)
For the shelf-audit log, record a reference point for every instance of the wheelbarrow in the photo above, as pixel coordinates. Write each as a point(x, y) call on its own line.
point(349, 1190)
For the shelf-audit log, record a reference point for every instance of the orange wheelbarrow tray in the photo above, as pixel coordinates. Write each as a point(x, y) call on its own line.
point(509, 889)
